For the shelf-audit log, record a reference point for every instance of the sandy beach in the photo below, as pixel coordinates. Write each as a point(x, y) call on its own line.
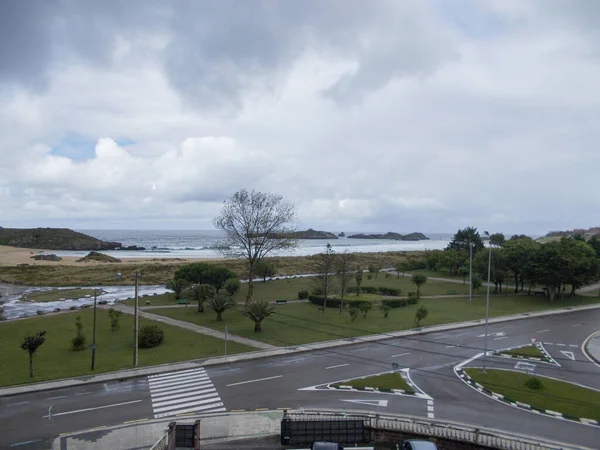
point(12, 256)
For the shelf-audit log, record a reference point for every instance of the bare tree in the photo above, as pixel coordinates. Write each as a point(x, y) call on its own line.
point(344, 265)
point(255, 224)
point(325, 271)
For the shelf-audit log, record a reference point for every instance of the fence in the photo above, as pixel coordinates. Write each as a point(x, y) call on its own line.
point(448, 431)
point(162, 443)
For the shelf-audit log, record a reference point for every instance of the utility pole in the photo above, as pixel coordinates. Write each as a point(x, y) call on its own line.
point(470, 272)
point(94, 331)
point(487, 307)
point(135, 322)
point(226, 336)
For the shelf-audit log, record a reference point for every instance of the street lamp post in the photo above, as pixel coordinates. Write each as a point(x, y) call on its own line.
point(487, 305)
point(470, 272)
point(94, 331)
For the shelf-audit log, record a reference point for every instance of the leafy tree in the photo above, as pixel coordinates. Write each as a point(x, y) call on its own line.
point(476, 282)
point(420, 315)
point(232, 286)
point(463, 238)
point(364, 308)
point(582, 266)
point(219, 303)
point(200, 293)
point(454, 259)
point(78, 342)
point(385, 310)
point(594, 242)
point(113, 315)
point(150, 336)
point(400, 267)
point(358, 277)
point(204, 273)
point(344, 263)
point(31, 344)
point(519, 252)
point(324, 270)
point(374, 269)
point(464, 271)
point(498, 267)
point(497, 239)
point(257, 311)
point(353, 311)
point(434, 260)
point(419, 280)
point(255, 224)
point(177, 285)
point(265, 269)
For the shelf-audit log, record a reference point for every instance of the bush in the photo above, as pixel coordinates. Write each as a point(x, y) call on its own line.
point(368, 289)
point(389, 291)
point(364, 308)
point(317, 291)
point(302, 295)
point(336, 302)
point(420, 315)
point(353, 313)
point(352, 290)
point(78, 342)
point(385, 310)
point(232, 286)
point(395, 303)
point(534, 383)
point(150, 336)
point(412, 298)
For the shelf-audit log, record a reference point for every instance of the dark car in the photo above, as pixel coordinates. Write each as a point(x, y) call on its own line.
point(326, 446)
point(418, 445)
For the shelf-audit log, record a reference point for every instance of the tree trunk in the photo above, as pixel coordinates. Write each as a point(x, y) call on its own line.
point(219, 316)
point(250, 283)
point(522, 284)
point(31, 365)
point(398, 277)
point(324, 299)
point(495, 287)
point(530, 288)
point(200, 306)
point(257, 326)
point(572, 292)
point(464, 279)
point(418, 291)
point(516, 283)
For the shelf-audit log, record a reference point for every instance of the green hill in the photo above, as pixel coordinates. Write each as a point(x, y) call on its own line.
point(53, 239)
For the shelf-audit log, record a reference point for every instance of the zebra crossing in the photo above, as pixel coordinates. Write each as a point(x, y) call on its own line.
point(186, 391)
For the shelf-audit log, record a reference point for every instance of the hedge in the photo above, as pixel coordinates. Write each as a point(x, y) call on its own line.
point(389, 291)
point(335, 302)
point(395, 303)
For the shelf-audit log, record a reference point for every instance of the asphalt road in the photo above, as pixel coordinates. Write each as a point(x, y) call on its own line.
point(298, 381)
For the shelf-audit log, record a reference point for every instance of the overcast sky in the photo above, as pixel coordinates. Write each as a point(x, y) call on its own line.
point(409, 115)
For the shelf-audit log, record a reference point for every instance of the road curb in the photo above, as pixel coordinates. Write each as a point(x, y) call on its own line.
point(586, 351)
point(192, 364)
point(465, 378)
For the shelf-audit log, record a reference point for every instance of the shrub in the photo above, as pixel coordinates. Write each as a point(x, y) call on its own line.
point(302, 295)
point(353, 313)
point(394, 303)
point(413, 299)
point(317, 291)
point(232, 286)
point(352, 290)
point(534, 383)
point(385, 310)
point(78, 342)
point(364, 308)
point(114, 315)
point(420, 314)
point(368, 289)
point(389, 291)
point(150, 336)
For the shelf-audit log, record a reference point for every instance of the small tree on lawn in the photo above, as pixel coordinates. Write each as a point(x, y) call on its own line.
point(343, 270)
point(265, 269)
point(464, 271)
point(257, 311)
point(374, 269)
point(420, 315)
point(364, 308)
point(78, 342)
point(353, 311)
point(113, 315)
point(419, 280)
point(200, 293)
point(324, 270)
point(31, 344)
point(358, 277)
point(385, 310)
point(232, 286)
point(177, 285)
point(476, 282)
point(219, 303)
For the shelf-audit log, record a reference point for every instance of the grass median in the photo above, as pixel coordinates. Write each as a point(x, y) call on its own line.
point(386, 381)
point(54, 359)
point(569, 399)
point(302, 323)
point(530, 351)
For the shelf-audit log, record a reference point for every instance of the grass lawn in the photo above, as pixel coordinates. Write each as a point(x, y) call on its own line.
point(527, 352)
point(115, 348)
point(385, 381)
point(301, 323)
point(53, 295)
point(566, 398)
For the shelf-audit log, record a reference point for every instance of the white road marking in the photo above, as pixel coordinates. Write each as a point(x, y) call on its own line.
point(254, 381)
point(498, 338)
point(382, 403)
point(500, 333)
point(430, 409)
point(401, 354)
point(93, 409)
point(569, 355)
point(548, 343)
point(84, 393)
point(576, 325)
point(24, 443)
point(573, 345)
point(450, 346)
point(183, 392)
point(542, 331)
point(561, 345)
point(335, 367)
point(430, 416)
point(56, 398)
point(15, 404)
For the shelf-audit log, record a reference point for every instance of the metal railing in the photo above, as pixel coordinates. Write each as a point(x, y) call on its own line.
point(443, 430)
point(162, 443)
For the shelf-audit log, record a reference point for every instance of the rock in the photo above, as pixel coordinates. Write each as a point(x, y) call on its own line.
point(342, 234)
point(391, 235)
point(308, 234)
point(51, 257)
point(100, 257)
point(132, 247)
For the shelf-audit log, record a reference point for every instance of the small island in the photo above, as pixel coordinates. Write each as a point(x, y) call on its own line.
point(308, 234)
point(53, 239)
point(391, 235)
point(342, 234)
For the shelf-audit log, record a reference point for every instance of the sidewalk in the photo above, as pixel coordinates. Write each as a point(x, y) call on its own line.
point(277, 351)
point(192, 327)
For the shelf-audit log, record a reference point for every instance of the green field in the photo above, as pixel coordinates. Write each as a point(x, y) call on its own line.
point(301, 323)
point(384, 381)
point(54, 359)
point(531, 351)
point(566, 398)
point(53, 295)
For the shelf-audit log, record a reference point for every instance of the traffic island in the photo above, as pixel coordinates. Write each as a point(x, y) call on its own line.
point(534, 352)
point(390, 382)
point(535, 393)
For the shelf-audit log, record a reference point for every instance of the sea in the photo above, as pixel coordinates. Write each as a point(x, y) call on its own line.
point(203, 244)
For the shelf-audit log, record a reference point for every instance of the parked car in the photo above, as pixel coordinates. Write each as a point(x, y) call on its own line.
point(418, 445)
